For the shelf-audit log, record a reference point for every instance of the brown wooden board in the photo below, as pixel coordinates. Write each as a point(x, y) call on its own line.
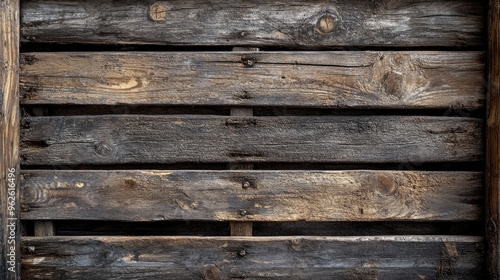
point(383, 80)
point(493, 143)
point(9, 140)
point(119, 139)
point(269, 196)
point(388, 257)
point(298, 23)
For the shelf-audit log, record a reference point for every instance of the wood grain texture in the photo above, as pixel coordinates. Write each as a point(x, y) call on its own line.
point(241, 228)
point(271, 196)
point(384, 80)
point(9, 140)
point(493, 143)
point(119, 139)
point(44, 228)
point(344, 258)
point(298, 23)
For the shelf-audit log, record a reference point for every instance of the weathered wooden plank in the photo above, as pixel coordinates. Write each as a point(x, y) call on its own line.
point(385, 80)
point(9, 140)
point(252, 195)
point(118, 139)
point(298, 23)
point(388, 257)
point(493, 143)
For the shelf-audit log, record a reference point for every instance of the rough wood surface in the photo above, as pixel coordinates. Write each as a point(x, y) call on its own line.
point(344, 258)
point(118, 139)
point(493, 144)
point(9, 140)
point(269, 195)
point(387, 80)
point(44, 228)
point(297, 23)
point(241, 228)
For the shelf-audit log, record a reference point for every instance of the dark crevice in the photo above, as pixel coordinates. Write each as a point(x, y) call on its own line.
point(78, 47)
point(405, 166)
point(202, 228)
point(75, 110)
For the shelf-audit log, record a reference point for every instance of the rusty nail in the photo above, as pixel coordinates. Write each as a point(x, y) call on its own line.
point(246, 185)
point(242, 253)
point(243, 212)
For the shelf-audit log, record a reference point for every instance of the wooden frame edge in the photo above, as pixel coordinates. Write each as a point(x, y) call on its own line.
point(9, 140)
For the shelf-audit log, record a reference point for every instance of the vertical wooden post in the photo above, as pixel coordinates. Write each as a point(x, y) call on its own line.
point(9, 140)
point(493, 141)
point(44, 228)
point(241, 228)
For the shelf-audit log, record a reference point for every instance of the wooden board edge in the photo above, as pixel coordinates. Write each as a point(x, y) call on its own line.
point(492, 142)
point(9, 140)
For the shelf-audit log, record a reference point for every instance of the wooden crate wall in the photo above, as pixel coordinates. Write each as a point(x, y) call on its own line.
point(252, 139)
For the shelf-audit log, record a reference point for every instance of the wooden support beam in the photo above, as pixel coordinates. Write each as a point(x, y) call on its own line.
point(44, 228)
point(242, 228)
point(493, 143)
point(9, 140)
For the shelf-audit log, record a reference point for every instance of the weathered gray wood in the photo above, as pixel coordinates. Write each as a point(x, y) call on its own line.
point(385, 80)
point(388, 257)
point(118, 139)
point(493, 143)
point(298, 23)
point(9, 140)
point(269, 195)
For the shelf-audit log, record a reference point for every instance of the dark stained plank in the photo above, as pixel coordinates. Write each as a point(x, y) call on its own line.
point(252, 195)
point(297, 23)
point(119, 139)
point(387, 257)
point(493, 143)
point(10, 255)
point(383, 80)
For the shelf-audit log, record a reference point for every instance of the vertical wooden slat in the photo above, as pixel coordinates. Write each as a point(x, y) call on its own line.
point(242, 228)
point(492, 142)
point(44, 228)
point(9, 140)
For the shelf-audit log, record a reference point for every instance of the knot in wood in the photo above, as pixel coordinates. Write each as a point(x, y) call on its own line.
point(325, 24)
point(157, 11)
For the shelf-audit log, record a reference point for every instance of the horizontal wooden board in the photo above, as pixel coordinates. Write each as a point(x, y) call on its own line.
point(297, 23)
point(252, 195)
point(384, 80)
point(388, 257)
point(119, 139)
